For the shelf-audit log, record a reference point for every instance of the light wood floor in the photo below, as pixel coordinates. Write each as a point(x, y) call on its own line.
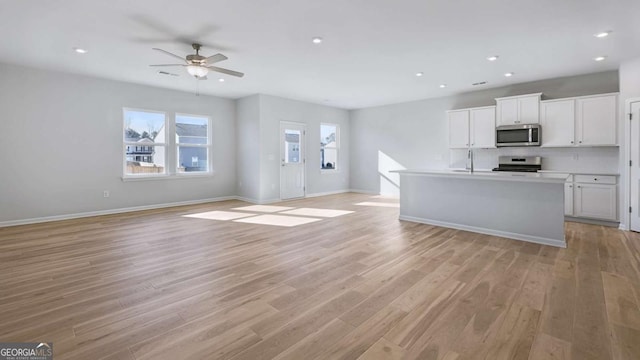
point(156, 285)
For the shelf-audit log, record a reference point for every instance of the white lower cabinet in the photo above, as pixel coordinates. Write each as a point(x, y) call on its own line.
point(592, 197)
point(595, 201)
point(568, 199)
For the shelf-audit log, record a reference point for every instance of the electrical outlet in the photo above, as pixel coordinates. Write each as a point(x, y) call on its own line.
point(105, 193)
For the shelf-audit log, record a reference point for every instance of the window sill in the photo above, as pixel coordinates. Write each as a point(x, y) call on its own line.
point(167, 177)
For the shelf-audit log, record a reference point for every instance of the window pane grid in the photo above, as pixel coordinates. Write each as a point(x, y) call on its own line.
point(154, 146)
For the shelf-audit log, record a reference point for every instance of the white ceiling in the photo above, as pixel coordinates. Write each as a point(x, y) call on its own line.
point(370, 54)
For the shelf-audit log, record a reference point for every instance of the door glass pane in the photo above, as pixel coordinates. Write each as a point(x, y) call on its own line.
point(292, 146)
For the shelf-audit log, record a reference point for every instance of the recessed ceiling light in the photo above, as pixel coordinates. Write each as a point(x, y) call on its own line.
point(418, 74)
point(493, 58)
point(442, 86)
point(221, 80)
point(79, 50)
point(603, 34)
point(599, 58)
point(509, 74)
point(317, 40)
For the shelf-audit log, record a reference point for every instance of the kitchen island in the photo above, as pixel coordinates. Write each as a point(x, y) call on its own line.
point(522, 206)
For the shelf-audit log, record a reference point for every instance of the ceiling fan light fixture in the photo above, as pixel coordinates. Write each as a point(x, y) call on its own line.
point(197, 71)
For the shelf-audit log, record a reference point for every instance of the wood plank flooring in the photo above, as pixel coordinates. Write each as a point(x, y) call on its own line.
point(157, 285)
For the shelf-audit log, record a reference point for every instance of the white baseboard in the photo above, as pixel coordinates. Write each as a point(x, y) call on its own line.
point(249, 200)
point(505, 234)
point(326, 193)
point(593, 221)
point(159, 206)
point(360, 191)
point(112, 211)
point(256, 201)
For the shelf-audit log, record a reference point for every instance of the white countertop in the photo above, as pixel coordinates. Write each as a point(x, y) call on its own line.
point(601, 173)
point(548, 177)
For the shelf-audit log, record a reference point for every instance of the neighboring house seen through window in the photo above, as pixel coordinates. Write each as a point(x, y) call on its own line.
point(192, 143)
point(329, 146)
point(150, 140)
point(144, 143)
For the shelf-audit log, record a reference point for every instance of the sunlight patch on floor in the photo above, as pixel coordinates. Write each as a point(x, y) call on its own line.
point(263, 208)
point(329, 213)
point(219, 215)
point(379, 204)
point(278, 220)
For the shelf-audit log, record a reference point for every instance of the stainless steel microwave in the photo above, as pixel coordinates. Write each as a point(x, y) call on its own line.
point(518, 135)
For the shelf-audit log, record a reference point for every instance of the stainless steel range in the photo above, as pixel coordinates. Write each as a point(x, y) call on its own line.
point(519, 163)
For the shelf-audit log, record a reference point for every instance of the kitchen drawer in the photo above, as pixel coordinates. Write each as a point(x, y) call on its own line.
point(595, 179)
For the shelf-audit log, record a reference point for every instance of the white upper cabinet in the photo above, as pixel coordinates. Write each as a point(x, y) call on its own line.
point(483, 127)
point(557, 118)
point(514, 110)
point(580, 121)
point(475, 127)
point(458, 129)
point(596, 120)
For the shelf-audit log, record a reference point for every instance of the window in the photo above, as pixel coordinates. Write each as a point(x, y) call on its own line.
point(155, 146)
point(192, 143)
point(329, 146)
point(144, 143)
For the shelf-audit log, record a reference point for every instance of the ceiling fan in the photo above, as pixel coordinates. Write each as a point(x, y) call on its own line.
point(199, 66)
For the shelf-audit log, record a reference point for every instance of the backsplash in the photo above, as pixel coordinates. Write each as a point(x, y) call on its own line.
point(578, 159)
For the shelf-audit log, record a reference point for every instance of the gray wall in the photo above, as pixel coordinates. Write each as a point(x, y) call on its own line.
point(415, 134)
point(248, 147)
point(60, 144)
point(273, 110)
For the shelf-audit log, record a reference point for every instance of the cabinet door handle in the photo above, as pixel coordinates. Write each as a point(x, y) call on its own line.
point(595, 179)
point(572, 141)
point(579, 186)
point(580, 141)
point(570, 186)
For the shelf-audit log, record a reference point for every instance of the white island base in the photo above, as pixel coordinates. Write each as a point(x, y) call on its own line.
point(528, 207)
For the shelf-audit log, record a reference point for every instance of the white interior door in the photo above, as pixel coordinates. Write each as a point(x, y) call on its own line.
point(635, 166)
point(293, 163)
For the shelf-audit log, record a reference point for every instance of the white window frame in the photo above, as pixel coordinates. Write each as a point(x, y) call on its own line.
point(208, 146)
point(170, 148)
point(165, 146)
point(338, 164)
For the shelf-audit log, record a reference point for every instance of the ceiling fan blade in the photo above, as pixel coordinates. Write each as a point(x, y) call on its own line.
point(170, 54)
point(226, 71)
point(216, 58)
point(169, 65)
